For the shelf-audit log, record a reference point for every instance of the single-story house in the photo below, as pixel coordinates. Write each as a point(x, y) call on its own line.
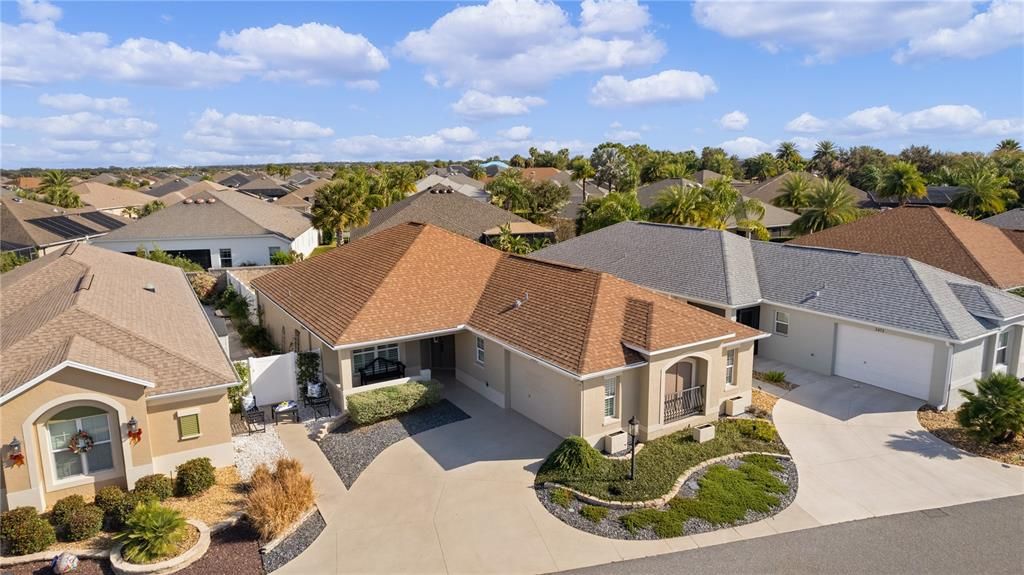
point(28, 182)
point(264, 187)
point(445, 208)
point(1008, 220)
point(889, 321)
point(108, 198)
point(935, 196)
point(935, 236)
point(219, 229)
point(232, 178)
point(771, 188)
point(191, 190)
point(29, 227)
point(104, 178)
point(776, 220)
point(462, 184)
point(445, 171)
point(577, 351)
point(98, 348)
point(162, 188)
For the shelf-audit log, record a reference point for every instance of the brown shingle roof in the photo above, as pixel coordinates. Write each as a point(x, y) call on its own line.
point(104, 197)
point(414, 278)
point(935, 236)
point(91, 306)
point(27, 223)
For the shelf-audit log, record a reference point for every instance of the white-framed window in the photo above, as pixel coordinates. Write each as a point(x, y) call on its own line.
point(1002, 347)
point(274, 250)
point(611, 392)
point(730, 367)
point(782, 323)
point(225, 258)
point(63, 426)
point(481, 352)
point(361, 357)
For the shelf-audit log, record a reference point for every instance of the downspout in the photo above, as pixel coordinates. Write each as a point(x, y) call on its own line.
point(949, 376)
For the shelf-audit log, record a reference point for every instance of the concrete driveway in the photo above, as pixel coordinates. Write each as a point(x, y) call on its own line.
point(861, 452)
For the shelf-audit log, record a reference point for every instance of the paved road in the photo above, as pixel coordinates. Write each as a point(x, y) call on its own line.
point(977, 538)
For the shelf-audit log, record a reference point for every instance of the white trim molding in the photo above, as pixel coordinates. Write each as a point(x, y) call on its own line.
point(71, 364)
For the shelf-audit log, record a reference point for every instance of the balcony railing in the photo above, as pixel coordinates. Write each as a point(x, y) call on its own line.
point(684, 404)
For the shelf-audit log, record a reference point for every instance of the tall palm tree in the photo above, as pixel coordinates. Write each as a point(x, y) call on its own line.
point(1008, 145)
point(796, 193)
point(476, 172)
point(830, 205)
point(985, 192)
point(901, 181)
point(762, 167)
point(509, 190)
point(789, 156)
point(340, 205)
point(56, 186)
point(826, 158)
point(723, 207)
point(582, 170)
point(680, 205)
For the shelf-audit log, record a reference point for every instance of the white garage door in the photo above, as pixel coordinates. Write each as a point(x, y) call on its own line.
point(889, 361)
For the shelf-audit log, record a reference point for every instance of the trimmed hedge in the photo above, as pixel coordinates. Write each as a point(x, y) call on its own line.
point(158, 485)
point(194, 477)
point(574, 457)
point(117, 516)
point(24, 531)
point(82, 524)
point(64, 508)
point(373, 406)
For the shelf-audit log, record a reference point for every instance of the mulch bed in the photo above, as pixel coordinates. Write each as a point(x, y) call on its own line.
point(351, 448)
point(785, 384)
point(943, 424)
point(762, 403)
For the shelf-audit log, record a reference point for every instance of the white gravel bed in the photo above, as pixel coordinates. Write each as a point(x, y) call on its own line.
point(252, 450)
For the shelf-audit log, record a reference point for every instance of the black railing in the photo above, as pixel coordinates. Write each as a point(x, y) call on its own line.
point(685, 403)
point(381, 369)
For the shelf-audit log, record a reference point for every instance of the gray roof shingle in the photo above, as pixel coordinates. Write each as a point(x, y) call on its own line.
point(1008, 220)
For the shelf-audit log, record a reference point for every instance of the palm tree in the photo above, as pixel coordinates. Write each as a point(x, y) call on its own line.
point(724, 207)
point(676, 171)
point(476, 172)
point(680, 205)
point(789, 156)
point(56, 186)
point(582, 171)
point(826, 158)
point(830, 205)
point(796, 192)
point(873, 174)
point(513, 244)
point(985, 192)
point(762, 167)
point(339, 205)
point(901, 181)
point(509, 191)
point(1008, 145)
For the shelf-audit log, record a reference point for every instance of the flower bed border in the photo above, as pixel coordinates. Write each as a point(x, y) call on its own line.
point(121, 566)
point(664, 499)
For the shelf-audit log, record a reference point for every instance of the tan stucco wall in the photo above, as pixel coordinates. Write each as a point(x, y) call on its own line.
point(629, 404)
point(214, 424)
point(545, 396)
point(488, 379)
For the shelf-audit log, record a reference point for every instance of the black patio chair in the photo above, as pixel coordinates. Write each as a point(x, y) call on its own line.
point(254, 417)
point(317, 397)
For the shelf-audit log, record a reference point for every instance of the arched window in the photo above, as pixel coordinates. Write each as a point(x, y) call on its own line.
point(63, 426)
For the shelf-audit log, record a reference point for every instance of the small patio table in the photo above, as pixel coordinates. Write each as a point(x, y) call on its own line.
point(285, 408)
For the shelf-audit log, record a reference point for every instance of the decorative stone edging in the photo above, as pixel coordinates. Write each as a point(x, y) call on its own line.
point(280, 538)
point(664, 499)
point(123, 567)
point(639, 446)
point(50, 554)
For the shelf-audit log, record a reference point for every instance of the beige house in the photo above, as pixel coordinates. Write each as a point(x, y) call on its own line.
point(97, 347)
point(577, 351)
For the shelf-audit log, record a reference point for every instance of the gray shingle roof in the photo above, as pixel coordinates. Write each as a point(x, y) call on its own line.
point(1008, 220)
point(233, 214)
point(724, 268)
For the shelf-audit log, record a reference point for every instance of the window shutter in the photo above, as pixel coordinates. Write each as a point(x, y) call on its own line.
point(188, 425)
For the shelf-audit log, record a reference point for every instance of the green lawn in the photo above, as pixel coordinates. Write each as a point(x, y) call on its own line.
point(322, 249)
point(661, 461)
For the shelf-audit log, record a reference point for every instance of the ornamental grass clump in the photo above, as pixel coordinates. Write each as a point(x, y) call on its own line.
point(995, 413)
point(151, 532)
point(276, 500)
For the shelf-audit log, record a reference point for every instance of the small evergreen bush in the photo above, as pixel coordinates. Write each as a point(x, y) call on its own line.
point(774, 376)
point(109, 498)
point(117, 516)
point(194, 477)
point(373, 406)
point(561, 497)
point(63, 509)
point(82, 523)
point(756, 429)
point(24, 531)
point(151, 532)
point(575, 457)
point(158, 485)
point(594, 513)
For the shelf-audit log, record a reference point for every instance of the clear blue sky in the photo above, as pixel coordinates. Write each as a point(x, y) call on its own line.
point(189, 83)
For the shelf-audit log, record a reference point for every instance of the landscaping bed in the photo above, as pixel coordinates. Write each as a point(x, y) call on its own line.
point(662, 461)
point(762, 403)
point(295, 543)
point(944, 425)
point(739, 490)
point(219, 503)
point(776, 378)
point(351, 448)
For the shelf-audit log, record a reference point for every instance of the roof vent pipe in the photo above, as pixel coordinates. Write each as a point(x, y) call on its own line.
point(150, 288)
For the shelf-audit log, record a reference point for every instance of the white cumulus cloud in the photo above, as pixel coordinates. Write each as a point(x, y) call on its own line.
point(459, 134)
point(745, 146)
point(437, 145)
point(612, 16)
point(522, 44)
point(998, 28)
point(478, 105)
point(80, 138)
point(663, 87)
point(806, 123)
point(735, 120)
point(81, 102)
point(216, 137)
point(516, 133)
point(944, 120)
point(38, 11)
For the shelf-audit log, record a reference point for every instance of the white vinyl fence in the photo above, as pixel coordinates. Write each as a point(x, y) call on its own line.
point(273, 378)
point(247, 293)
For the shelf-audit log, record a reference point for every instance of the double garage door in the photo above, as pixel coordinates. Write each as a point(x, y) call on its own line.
point(884, 360)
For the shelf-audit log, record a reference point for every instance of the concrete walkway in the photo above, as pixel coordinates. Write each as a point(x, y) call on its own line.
point(458, 498)
point(861, 452)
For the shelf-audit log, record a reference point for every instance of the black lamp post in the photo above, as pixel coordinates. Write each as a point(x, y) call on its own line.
point(634, 428)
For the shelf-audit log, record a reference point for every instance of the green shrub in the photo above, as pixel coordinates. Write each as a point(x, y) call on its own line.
point(109, 498)
point(151, 532)
point(117, 516)
point(766, 462)
point(575, 457)
point(995, 413)
point(561, 497)
point(194, 477)
point(373, 406)
point(774, 376)
point(664, 524)
point(594, 513)
point(63, 509)
point(756, 429)
point(24, 531)
point(82, 523)
point(158, 485)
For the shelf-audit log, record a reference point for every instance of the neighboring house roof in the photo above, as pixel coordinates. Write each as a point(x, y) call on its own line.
point(578, 320)
point(28, 182)
point(770, 189)
point(935, 236)
point(647, 194)
point(702, 177)
point(308, 192)
point(938, 196)
point(462, 184)
point(248, 273)
point(232, 179)
point(230, 214)
point(1008, 220)
point(293, 200)
point(191, 190)
point(721, 268)
point(170, 185)
point(773, 217)
point(264, 186)
point(444, 208)
point(86, 306)
point(104, 178)
point(104, 197)
point(28, 224)
point(447, 171)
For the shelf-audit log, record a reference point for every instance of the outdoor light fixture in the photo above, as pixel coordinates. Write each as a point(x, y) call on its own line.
point(134, 431)
point(133, 424)
point(634, 429)
point(16, 456)
point(15, 446)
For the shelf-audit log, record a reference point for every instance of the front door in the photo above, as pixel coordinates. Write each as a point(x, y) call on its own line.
point(442, 352)
point(751, 317)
